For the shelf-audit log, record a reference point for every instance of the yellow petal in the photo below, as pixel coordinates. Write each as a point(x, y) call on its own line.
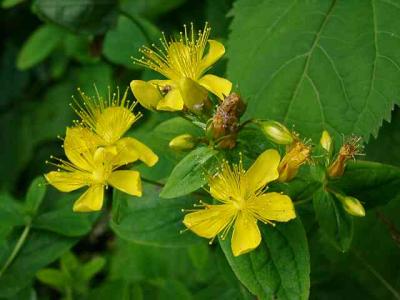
point(91, 200)
point(172, 101)
point(126, 181)
point(146, 93)
point(113, 122)
point(219, 86)
point(130, 149)
point(215, 52)
point(192, 93)
point(274, 207)
point(264, 169)
point(210, 221)
point(67, 181)
point(79, 144)
point(246, 235)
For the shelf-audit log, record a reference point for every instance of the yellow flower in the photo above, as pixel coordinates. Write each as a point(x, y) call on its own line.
point(183, 62)
point(110, 119)
point(242, 203)
point(92, 166)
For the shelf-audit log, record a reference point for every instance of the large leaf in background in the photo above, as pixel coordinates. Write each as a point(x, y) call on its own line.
point(335, 223)
point(151, 220)
point(372, 183)
point(123, 42)
point(317, 64)
point(40, 249)
point(149, 8)
point(90, 16)
point(190, 173)
point(371, 269)
point(279, 268)
point(39, 45)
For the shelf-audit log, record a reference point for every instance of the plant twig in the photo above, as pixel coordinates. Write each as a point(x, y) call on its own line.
point(17, 248)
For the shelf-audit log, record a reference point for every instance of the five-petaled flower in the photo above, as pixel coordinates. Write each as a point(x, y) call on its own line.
point(241, 203)
point(183, 62)
point(95, 149)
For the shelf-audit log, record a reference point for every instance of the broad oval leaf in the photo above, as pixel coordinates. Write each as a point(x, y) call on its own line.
point(150, 220)
point(370, 182)
point(279, 268)
point(317, 64)
point(335, 223)
point(39, 46)
point(84, 16)
point(121, 42)
point(189, 174)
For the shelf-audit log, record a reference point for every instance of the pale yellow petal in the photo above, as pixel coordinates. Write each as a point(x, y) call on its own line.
point(192, 93)
point(246, 235)
point(172, 101)
point(211, 221)
point(126, 181)
point(79, 144)
point(113, 122)
point(264, 169)
point(147, 94)
point(91, 200)
point(273, 207)
point(215, 52)
point(219, 86)
point(67, 181)
point(130, 149)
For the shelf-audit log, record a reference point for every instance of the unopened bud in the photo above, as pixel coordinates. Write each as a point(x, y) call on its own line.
point(276, 132)
point(351, 205)
point(326, 141)
point(297, 155)
point(182, 142)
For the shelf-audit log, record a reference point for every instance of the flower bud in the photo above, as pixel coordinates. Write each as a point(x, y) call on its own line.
point(297, 155)
point(182, 142)
point(351, 205)
point(276, 132)
point(326, 141)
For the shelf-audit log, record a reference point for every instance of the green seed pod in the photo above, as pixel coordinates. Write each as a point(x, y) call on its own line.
point(182, 142)
point(276, 132)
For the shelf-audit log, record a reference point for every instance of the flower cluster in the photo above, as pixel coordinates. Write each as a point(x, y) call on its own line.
point(98, 153)
point(96, 150)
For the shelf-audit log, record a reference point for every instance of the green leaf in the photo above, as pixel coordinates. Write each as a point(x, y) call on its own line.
point(335, 223)
point(90, 17)
point(11, 214)
point(64, 221)
point(52, 277)
point(38, 46)
point(279, 268)
point(317, 64)
point(371, 183)
point(40, 249)
point(162, 228)
point(189, 174)
point(10, 3)
point(121, 43)
point(91, 268)
point(149, 8)
point(35, 195)
point(158, 140)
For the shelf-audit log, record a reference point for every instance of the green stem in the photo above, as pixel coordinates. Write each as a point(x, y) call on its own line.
point(246, 123)
point(17, 248)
